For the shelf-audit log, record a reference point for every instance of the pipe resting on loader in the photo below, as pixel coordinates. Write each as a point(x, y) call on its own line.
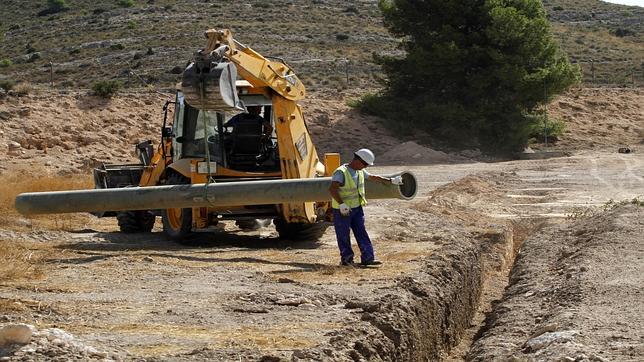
point(261, 192)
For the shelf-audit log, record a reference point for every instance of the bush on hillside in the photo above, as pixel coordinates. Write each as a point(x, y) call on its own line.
point(106, 88)
point(622, 32)
point(53, 7)
point(6, 62)
point(472, 70)
point(125, 3)
point(341, 37)
point(540, 127)
point(7, 84)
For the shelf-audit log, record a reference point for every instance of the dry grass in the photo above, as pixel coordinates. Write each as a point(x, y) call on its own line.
point(21, 260)
point(13, 185)
point(266, 337)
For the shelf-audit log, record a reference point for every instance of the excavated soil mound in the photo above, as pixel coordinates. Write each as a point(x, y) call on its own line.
point(411, 153)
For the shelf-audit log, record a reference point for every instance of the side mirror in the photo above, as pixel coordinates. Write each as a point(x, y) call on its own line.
point(180, 139)
point(166, 132)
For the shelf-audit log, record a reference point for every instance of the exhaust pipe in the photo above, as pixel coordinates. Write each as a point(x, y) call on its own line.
point(263, 192)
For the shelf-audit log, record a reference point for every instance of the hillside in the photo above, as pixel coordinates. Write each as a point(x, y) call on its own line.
point(150, 42)
point(63, 132)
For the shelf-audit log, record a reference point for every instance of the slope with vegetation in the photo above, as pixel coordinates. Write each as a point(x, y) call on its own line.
point(327, 41)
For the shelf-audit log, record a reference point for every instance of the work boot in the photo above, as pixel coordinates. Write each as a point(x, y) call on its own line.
point(371, 262)
point(347, 263)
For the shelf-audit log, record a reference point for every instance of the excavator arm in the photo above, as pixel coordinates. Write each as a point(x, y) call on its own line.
point(298, 156)
point(255, 68)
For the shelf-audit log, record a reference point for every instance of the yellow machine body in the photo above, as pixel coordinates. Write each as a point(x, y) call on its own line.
point(276, 83)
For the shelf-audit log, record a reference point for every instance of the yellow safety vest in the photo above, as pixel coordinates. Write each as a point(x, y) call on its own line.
point(352, 195)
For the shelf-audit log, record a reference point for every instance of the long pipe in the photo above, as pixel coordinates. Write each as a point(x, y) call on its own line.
point(263, 192)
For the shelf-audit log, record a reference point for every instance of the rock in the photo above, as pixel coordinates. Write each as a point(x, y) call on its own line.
point(294, 302)
point(56, 333)
point(365, 306)
point(597, 358)
point(15, 334)
point(250, 309)
point(14, 147)
point(58, 342)
point(546, 339)
point(28, 350)
point(309, 306)
point(148, 259)
point(550, 327)
point(269, 358)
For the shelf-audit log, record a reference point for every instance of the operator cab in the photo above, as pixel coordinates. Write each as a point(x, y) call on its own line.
point(238, 141)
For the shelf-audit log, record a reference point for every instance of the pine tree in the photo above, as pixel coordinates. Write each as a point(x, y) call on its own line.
point(473, 69)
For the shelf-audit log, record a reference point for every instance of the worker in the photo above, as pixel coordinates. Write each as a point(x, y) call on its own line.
point(348, 197)
point(253, 114)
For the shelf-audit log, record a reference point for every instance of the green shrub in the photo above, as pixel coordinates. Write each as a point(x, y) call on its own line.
point(57, 4)
point(552, 129)
point(351, 9)
point(131, 25)
point(53, 7)
point(125, 3)
point(106, 88)
point(7, 84)
point(341, 37)
point(622, 32)
point(4, 63)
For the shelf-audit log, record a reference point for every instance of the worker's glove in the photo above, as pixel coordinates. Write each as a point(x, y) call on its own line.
point(397, 180)
point(345, 210)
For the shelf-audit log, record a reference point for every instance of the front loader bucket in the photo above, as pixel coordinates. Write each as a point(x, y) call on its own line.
point(211, 86)
point(264, 192)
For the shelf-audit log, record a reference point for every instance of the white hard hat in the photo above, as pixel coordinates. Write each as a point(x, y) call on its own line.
point(366, 155)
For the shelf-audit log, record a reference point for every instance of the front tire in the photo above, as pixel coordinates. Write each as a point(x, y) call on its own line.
point(177, 223)
point(140, 221)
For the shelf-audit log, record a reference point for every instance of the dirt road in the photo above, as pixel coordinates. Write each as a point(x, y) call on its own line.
point(248, 296)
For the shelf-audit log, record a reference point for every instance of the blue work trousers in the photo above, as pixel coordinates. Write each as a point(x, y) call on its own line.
point(343, 225)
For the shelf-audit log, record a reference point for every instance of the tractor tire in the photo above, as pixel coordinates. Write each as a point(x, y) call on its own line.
point(299, 231)
point(177, 223)
point(140, 221)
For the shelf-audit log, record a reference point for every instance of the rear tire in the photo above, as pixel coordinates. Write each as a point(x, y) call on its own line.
point(140, 221)
point(299, 231)
point(177, 223)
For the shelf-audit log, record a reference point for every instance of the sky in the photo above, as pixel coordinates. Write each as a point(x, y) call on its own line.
point(627, 2)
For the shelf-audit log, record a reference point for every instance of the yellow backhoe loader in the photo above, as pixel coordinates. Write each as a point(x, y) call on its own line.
point(219, 160)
